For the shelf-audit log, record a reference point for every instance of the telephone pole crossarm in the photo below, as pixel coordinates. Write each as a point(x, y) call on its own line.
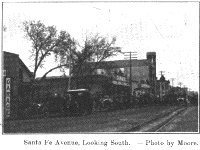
point(130, 58)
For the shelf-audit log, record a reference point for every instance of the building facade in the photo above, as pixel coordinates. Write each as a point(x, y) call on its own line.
point(142, 71)
point(99, 86)
point(163, 87)
point(15, 73)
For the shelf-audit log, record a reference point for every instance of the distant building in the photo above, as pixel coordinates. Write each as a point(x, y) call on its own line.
point(163, 86)
point(143, 71)
point(15, 72)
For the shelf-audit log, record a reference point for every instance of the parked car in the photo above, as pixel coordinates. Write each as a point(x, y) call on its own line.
point(80, 102)
point(34, 110)
point(182, 101)
point(107, 103)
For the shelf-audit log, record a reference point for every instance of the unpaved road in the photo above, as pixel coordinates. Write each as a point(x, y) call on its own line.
point(185, 122)
point(117, 121)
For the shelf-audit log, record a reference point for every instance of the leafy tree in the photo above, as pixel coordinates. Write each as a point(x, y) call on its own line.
point(45, 42)
point(85, 59)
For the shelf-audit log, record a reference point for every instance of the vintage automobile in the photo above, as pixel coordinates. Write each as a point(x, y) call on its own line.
point(79, 102)
point(34, 110)
point(54, 105)
point(107, 103)
point(73, 102)
point(182, 101)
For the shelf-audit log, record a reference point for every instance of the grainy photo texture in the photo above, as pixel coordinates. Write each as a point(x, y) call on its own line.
point(100, 67)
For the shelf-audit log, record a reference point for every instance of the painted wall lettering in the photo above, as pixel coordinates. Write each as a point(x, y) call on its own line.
point(7, 97)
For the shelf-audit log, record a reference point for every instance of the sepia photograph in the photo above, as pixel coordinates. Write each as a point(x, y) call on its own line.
point(105, 68)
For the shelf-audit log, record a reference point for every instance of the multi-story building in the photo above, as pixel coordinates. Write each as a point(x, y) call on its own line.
point(143, 72)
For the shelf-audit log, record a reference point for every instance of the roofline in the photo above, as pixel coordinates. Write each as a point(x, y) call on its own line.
point(21, 62)
point(11, 53)
point(67, 77)
point(26, 68)
point(120, 63)
point(76, 90)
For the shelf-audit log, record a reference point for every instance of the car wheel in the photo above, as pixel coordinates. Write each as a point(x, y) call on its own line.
point(74, 110)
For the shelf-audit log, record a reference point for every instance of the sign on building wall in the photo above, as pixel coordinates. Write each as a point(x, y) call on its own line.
point(120, 78)
point(120, 83)
point(7, 97)
point(4, 73)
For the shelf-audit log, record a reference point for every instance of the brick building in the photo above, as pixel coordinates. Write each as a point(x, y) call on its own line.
point(143, 71)
point(15, 73)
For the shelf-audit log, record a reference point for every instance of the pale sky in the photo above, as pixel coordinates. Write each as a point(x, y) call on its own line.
point(169, 29)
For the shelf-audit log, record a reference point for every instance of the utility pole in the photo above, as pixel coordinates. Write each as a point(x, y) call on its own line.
point(161, 73)
point(172, 81)
point(130, 57)
point(180, 83)
point(69, 83)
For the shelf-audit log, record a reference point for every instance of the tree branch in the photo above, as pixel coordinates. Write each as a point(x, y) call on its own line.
point(44, 76)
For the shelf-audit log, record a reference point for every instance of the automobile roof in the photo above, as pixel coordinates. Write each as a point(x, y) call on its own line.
point(78, 90)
